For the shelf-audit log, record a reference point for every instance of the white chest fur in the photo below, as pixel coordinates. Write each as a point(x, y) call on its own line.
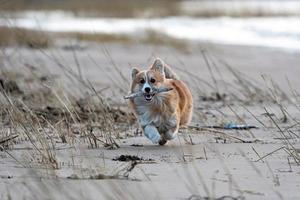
point(161, 118)
point(146, 116)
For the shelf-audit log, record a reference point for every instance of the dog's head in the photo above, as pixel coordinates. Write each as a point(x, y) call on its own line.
point(147, 81)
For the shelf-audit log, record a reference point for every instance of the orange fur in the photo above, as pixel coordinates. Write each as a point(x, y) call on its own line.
point(162, 115)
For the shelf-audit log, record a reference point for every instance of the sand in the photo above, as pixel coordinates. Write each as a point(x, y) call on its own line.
point(197, 164)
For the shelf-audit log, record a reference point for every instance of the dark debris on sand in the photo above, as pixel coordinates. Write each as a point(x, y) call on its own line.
point(128, 158)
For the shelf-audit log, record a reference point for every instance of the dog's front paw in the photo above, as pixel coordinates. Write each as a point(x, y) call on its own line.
point(162, 141)
point(155, 138)
point(152, 133)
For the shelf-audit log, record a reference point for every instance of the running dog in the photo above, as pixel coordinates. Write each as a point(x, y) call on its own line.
point(160, 114)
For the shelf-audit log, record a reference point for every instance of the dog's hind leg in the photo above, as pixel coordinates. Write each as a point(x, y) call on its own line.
point(152, 133)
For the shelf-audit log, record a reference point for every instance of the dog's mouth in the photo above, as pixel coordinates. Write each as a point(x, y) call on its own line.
point(148, 97)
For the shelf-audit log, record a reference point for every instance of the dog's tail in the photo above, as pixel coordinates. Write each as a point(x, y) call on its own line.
point(169, 73)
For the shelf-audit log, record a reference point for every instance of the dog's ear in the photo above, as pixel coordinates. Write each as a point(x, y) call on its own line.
point(158, 65)
point(134, 72)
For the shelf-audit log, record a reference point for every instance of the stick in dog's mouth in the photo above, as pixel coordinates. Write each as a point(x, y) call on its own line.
point(148, 97)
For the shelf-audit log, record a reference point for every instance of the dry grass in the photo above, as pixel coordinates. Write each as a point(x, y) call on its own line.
point(159, 39)
point(145, 8)
point(50, 115)
point(97, 37)
point(114, 8)
point(151, 37)
point(39, 40)
point(24, 37)
point(55, 116)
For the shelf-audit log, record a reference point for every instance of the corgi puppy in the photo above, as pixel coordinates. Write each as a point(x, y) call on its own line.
point(160, 114)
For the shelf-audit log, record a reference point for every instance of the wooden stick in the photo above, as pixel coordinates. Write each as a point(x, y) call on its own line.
point(261, 158)
point(8, 138)
point(140, 93)
point(218, 132)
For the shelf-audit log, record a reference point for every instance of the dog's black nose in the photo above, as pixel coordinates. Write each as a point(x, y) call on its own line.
point(147, 89)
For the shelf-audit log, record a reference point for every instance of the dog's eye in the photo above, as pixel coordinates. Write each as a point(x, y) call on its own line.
point(152, 80)
point(142, 81)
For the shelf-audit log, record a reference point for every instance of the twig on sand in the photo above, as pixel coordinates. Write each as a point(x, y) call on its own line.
point(257, 154)
point(3, 149)
point(290, 148)
point(231, 126)
point(205, 153)
point(112, 144)
point(8, 138)
point(268, 154)
point(254, 116)
point(218, 132)
point(140, 93)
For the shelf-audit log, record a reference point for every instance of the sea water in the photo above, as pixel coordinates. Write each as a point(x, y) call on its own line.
point(279, 32)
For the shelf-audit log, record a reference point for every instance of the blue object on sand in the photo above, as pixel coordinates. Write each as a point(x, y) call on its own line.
point(238, 126)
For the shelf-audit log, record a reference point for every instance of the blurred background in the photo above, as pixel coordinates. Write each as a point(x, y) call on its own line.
point(270, 23)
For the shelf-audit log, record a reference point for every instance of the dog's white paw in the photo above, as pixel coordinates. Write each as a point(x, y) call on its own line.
point(152, 133)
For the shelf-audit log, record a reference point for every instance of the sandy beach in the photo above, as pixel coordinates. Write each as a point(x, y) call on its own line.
point(64, 156)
